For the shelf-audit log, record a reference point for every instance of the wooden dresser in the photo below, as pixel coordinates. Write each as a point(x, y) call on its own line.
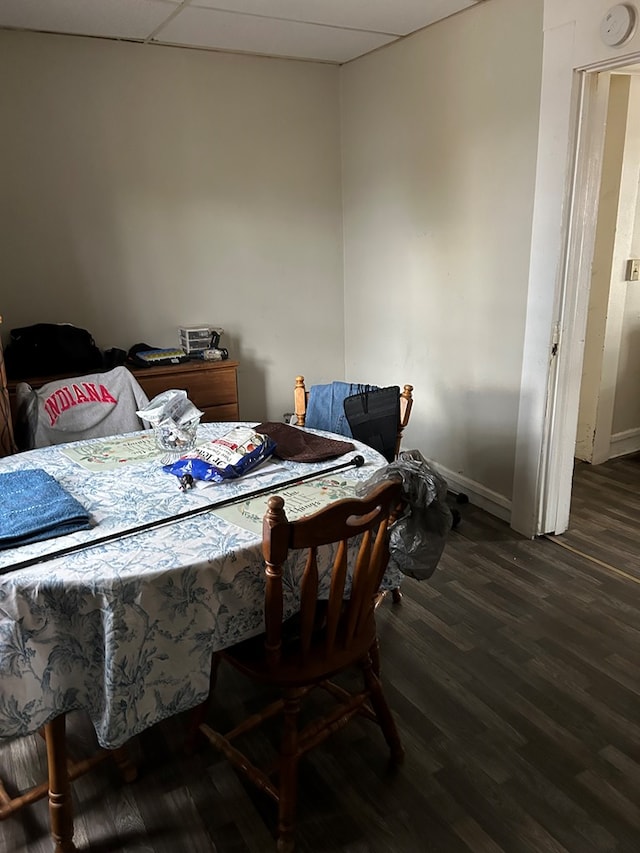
point(7, 444)
point(210, 385)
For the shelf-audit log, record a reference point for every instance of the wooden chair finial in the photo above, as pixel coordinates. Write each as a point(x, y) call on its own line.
point(300, 398)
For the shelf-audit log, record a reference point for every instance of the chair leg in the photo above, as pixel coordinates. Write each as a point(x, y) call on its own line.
point(374, 655)
point(194, 737)
point(60, 812)
point(288, 773)
point(396, 596)
point(383, 712)
point(379, 598)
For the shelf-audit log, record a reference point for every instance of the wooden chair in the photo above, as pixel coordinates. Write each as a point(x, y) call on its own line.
point(61, 772)
point(301, 399)
point(7, 443)
point(45, 416)
point(324, 639)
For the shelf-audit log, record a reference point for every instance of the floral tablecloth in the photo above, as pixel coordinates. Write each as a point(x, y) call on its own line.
point(125, 630)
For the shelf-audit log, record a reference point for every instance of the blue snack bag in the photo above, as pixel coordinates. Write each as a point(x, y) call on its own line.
point(235, 453)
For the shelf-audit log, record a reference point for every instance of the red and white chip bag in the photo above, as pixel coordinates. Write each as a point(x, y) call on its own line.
point(235, 453)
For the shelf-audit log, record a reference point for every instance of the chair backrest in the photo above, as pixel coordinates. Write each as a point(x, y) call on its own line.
point(91, 406)
point(331, 632)
point(301, 400)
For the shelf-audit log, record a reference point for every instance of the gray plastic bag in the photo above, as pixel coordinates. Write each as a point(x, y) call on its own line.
point(417, 538)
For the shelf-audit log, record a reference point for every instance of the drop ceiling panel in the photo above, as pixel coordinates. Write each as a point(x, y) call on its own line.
point(398, 17)
point(200, 27)
point(326, 30)
point(133, 19)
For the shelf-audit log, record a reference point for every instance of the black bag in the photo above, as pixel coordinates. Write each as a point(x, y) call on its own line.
point(374, 417)
point(46, 349)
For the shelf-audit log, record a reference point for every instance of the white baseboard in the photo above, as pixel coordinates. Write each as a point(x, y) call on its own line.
point(478, 494)
point(624, 442)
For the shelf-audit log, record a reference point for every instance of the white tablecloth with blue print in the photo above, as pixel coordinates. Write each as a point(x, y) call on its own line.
point(126, 629)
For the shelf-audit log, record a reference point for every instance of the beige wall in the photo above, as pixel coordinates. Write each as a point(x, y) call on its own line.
point(626, 412)
point(439, 151)
point(626, 415)
point(609, 412)
point(606, 294)
point(149, 187)
point(146, 187)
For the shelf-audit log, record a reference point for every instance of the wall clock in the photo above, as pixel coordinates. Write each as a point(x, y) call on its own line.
point(618, 24)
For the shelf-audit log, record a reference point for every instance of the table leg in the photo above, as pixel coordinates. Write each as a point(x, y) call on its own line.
point(60, 810)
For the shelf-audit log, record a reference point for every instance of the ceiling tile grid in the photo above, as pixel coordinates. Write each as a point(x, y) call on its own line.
point(320, 30)
point(126, 19)
point(272, 37)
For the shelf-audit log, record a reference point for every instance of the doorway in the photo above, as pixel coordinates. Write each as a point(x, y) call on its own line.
point(609, 407)
point(605, 487)
point(593, 239)
point(573, 104)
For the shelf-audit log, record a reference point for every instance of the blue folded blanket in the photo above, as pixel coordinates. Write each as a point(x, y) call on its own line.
point(34, 506)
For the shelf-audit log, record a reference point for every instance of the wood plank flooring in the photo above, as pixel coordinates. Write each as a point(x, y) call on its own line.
point(605, 512)
point(514, 675)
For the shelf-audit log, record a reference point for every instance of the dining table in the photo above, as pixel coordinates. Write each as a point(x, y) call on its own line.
point(120, 620)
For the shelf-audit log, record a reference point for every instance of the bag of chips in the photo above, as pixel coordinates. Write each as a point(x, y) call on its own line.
point(235, 453)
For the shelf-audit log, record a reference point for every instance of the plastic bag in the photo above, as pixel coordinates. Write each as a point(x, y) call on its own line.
point(175, 420)
point(418, 537)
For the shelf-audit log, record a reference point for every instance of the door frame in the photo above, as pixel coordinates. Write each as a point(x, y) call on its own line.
point(570, 144)
point(595, 441)
point(565, 371)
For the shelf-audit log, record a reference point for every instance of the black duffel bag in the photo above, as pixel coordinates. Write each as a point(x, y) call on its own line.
point(45, 349)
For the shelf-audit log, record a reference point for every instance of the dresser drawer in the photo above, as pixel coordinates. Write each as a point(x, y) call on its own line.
point(218, 414)
point(203, 388)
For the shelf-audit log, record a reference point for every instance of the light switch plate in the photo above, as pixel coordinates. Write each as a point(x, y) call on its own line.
point(633, 269)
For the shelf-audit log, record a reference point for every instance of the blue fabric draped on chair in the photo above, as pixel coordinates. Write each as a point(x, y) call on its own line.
point(325, 409)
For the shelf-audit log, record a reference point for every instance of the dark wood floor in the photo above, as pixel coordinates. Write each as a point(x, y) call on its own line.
point(514, 674)
point(605, 513)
